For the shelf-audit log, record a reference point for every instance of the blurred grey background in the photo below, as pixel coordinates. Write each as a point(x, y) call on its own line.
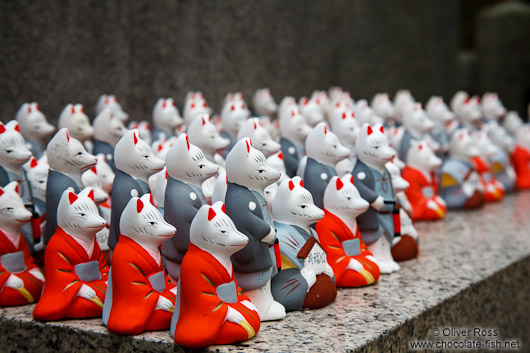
point(58, 52)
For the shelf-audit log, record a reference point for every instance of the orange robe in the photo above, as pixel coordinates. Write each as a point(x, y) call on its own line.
point(59, 298)
point(199, 319)
point(332, 232)
point(493, 189)
point(418, 199)
point(133, 296)
point(32, 285)
point(521, 164)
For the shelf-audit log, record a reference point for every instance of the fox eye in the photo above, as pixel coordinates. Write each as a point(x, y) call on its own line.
point(146, 157)
point(223, 231)
point(79, 154)
point(81, 214)
point(261, 171)
point(9, 151)
point(201, 166)
point(348, 198)
point(152, 223)
point(377, 147)
point(303, 206)
point(8, 209)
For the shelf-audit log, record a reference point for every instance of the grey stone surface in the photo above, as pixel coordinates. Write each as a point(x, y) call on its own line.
point(472, 271)
point(503, 53)
point(57, 52)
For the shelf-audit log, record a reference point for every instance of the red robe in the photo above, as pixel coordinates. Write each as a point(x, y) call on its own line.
point(493, 190)
point(201, 320)
point(32, 285)
point(331, 233)
point(133, 296)
point(521, 164)
point(59, 298)
point(418, 200)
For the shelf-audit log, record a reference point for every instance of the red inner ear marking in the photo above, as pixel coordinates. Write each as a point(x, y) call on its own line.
point(325, 130)
point(37, 107)
point(173, 103)
point(106, 101)
point(2, 128)
point(1, 191)
point(163, 103)
point(192, 105)
point(339, 184)
point(16, 188)
point(139, 206)
point(204, 104)
point(17, 127)
point(135, 138)
point(337, 104)
point(91, 195)
point(306, 101)
point(255, 126)
point(151, 199)
point(248, 147)
point(293, 113)
point(203, 121)
point(29, 110)
point(353, 115)
point(369, 130)
point(382, 129)
point(73, 110)
point(94, 170)
point(72, 197)
point(67, 136)
point(160, 147)
point(187, 142)
point(301, 183)
point(82, 109)
point(351, 179)
point(243, 106)
point(466, 101)
point(420, 146)
point(343, 115)
point(280, 155)
point(291, 185)
point(166, 174)
point(232, 108)
point(223, 208)
point(33, 162)
point(211, 214)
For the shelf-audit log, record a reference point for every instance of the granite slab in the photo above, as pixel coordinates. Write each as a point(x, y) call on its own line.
point(473, 269)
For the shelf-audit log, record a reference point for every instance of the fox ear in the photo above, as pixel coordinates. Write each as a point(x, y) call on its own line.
point(139, 206)
point(33, 162)
point(72, 197)
point(1, 191)
point(135, 138)
point(248, 145)
point(351, 180)
point(291, 185)
point(301, 183)
point(369, 131)
point(223, 208)
point(91, 195)
point(382, 129)
point(188, 142)
point(2, 128)
point(211, 214)
point(339, 184)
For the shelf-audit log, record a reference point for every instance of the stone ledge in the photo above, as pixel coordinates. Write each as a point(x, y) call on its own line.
point(473, 271)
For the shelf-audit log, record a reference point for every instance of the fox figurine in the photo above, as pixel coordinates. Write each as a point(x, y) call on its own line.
point(140, 297)
point(76, 272)
point(210, 307)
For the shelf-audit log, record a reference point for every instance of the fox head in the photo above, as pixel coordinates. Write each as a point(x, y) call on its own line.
point(293, 126)
point(260, 137)
point(32, 122)
point(382, 105)
point(416, 120)
point(187, 163)
point(37, 173)
point(293, 204)
point(90, 179)
point(73, 118)
point(324, 146)
point(372, 146)
point(195, 106)
point(438, 111)
point(78, 215)
point(263, 102)
point(135, 157)
point(166, 115)
point(203, 134)
point(421, 156)
point(248, 167)
point(13, 213)
point(108, 127)
point(66, 154)
point(111, 102)
point(342, 198)
point(143, 223)
point(462, 145)
point(13, 151)
point(213, 231)
point(311, 110)
point(233, 115)
point(492, 106)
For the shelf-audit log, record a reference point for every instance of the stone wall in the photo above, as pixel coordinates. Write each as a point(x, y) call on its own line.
point(57, 52)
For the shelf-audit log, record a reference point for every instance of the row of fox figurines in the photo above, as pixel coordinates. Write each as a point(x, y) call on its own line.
point(209, 243)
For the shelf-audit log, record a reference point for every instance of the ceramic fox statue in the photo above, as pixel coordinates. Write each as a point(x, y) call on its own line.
point(293, 132)
point(248, 174)
point(187, 168)
point(324, 150)
point(460, 186)
point(422, 193)
point(20, 278)
point(210, 307)
point(383, 107)
point(195, 105)
point(311, 110)
point(443, 118)
point(76, 272)
point(203, 134)
point(111, 102)
point(405, 244)
point(37, 174)
point(74, 119)
point(166, 118)
point(352, 263)
point(417, 126)
point(34, 127)
point(306, 279)
point(493, 190)
point(140, 297)
point(501, 166)
point(135, 163)
point(346, 127)
point(108, 130)
point(68, 160)
point(374, 183)
point(521, 158)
